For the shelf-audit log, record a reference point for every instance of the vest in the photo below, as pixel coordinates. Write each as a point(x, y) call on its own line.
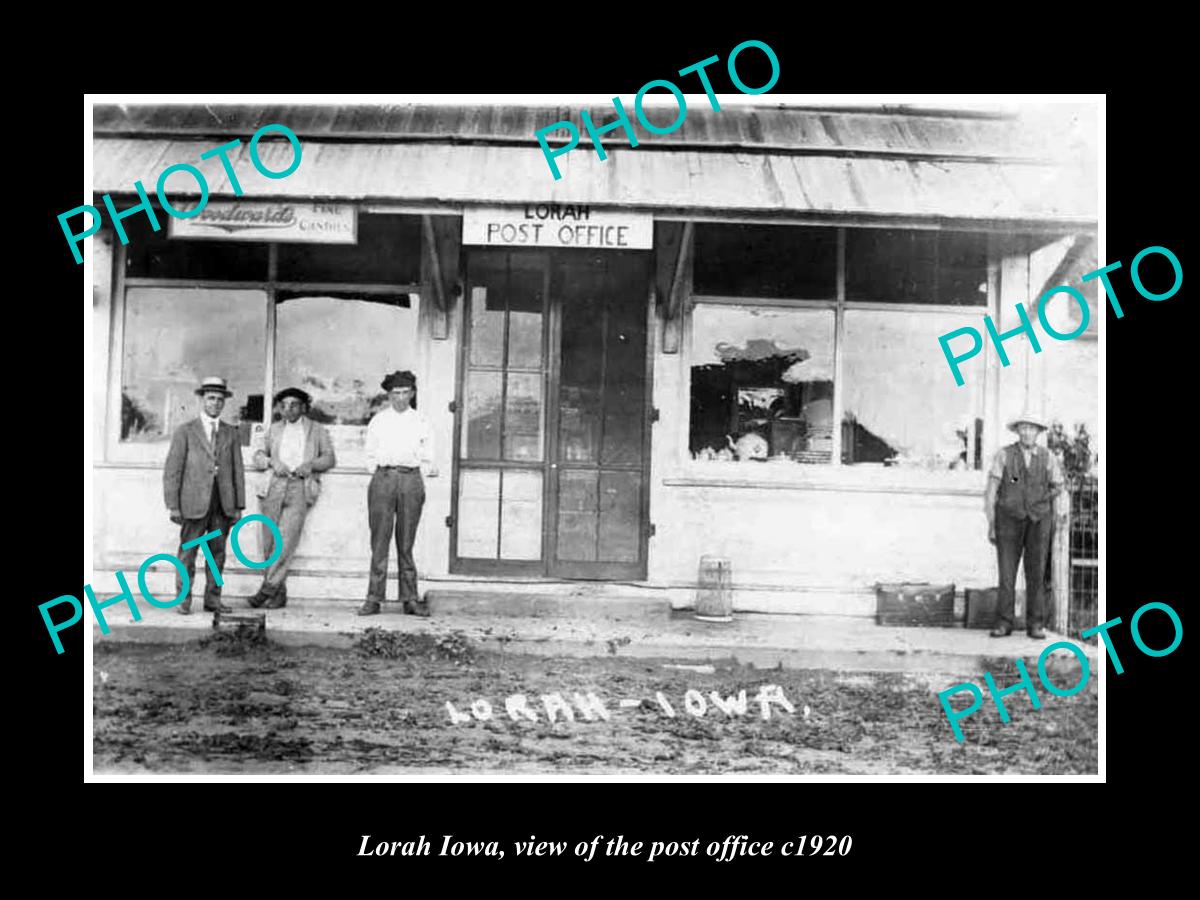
point(1025, 493)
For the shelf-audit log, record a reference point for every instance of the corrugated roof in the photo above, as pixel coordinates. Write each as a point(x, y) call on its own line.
point(885, 131)
point(676, 180)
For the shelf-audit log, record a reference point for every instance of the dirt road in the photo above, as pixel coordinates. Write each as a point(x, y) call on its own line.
point(415, 703)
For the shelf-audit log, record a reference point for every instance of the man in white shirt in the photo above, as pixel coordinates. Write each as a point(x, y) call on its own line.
point(399, 447)
point(296, 450)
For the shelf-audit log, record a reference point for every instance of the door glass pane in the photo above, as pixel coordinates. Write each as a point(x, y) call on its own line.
point(481, 437)
point(620, 515)
point(624, 379)
point(523, 417)
point(487, 327)
point(579, 424)
point(525, 289)
point(504, 379)
point(582, 365)
point(171, 345)
point(500, 511)
point(578, 516)
point(601, 401)
point(343, 376)
point(478, 513)
point(524, 340)
point(521, 515)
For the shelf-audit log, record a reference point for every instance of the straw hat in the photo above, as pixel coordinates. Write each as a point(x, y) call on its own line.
point(213, 383)
point(1030, 418)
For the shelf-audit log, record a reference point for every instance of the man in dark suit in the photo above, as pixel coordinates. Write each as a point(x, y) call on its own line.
point(205, 490)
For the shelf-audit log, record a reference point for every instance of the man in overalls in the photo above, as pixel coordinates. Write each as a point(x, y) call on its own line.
point(1024, 499)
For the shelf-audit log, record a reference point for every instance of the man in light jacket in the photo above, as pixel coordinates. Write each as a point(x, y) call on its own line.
point(296, 450)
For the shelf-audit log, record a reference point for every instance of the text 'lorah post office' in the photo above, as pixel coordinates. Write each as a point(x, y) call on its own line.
point(557, 225)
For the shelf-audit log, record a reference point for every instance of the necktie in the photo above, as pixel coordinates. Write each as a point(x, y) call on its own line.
point(212, 435)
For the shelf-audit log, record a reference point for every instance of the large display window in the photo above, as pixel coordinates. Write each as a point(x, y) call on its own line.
point(329, 319)
point(818, 346)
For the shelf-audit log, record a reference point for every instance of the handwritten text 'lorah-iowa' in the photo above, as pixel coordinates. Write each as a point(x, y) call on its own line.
point(592, 708)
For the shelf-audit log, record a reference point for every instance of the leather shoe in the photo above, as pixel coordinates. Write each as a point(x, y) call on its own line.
point(278, 600)
point(220, 607)
point(1037, 634)
point(1000, 631)
point(369, 608)
point(257, 600)
point(184, 608)
point(416, 608)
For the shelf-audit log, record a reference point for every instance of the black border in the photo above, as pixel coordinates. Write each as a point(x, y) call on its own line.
point(899, 832)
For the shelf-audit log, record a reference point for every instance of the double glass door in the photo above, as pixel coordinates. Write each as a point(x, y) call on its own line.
point(553, 427)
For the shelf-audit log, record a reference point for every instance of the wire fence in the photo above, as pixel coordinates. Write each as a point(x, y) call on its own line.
point(1084, 556)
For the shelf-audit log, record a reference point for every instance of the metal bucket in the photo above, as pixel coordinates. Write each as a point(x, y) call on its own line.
point(714, 594)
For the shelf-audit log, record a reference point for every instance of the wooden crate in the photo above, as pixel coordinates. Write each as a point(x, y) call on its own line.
point(914, 604)
point(981, 609)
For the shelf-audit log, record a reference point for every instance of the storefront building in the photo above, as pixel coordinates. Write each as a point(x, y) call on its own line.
point(723, 342)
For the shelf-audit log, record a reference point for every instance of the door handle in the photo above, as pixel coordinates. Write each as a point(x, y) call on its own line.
point(554, 465)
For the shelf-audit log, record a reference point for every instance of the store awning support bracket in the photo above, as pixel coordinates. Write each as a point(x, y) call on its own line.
point(677, 248)
point(440, 266)
point(1083, 247)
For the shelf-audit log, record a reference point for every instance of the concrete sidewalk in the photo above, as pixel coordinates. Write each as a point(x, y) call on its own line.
point(850, 643)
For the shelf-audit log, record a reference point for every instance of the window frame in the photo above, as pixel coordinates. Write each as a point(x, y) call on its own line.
point(836, 474)
point(153, 454)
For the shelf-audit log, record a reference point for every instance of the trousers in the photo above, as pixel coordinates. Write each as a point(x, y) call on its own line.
point(287, 506)
point(215, 520)
point(1016, 538)
point(394, 501)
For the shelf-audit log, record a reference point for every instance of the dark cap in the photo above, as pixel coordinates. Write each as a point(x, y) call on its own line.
point(399, 378)
point(300, 395)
